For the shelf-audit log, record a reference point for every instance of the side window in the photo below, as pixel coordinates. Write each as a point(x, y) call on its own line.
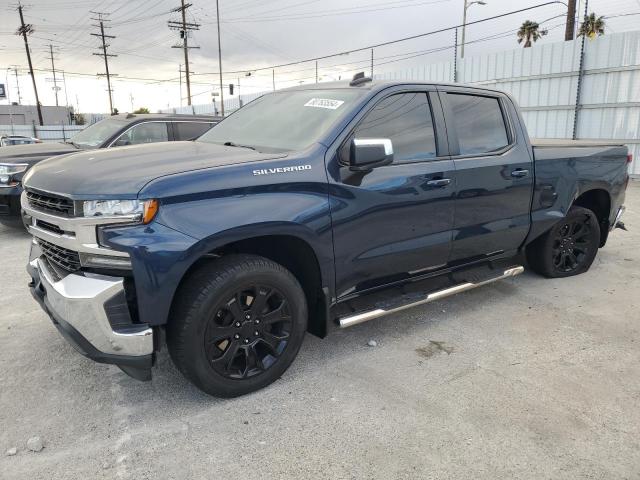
point(190, 130)
point(150, 132)
point(479, 123)
point(406, 120)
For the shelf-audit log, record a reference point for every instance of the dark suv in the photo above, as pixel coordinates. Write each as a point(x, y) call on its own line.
point(115, 131)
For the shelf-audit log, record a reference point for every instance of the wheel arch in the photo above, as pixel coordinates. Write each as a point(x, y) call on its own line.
point(598, 200)
point(293, 251)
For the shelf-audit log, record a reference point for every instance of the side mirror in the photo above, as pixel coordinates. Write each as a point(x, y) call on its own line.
point(368, 153)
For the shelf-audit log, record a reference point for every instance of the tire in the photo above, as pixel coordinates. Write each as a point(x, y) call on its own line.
point(569, 248)
point(237, 324)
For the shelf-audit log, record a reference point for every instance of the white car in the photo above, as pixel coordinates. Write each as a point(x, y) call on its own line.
point(8, 140)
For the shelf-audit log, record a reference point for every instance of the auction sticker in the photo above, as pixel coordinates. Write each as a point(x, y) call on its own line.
point(324, 103)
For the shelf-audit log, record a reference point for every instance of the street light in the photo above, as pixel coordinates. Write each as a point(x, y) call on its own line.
point(467, 4)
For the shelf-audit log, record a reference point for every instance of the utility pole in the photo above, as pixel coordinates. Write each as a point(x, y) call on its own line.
point(571, 20)
point(180, 73)
point(66, 96)
point(316, 71)
point(220, 57)
point(104, 54)
point(26, 30)
point(15, 71)
point(455, 57)
point(467, 4)
point(53, 68)
point(273, 79)
point(184, 28)
point(372, 64)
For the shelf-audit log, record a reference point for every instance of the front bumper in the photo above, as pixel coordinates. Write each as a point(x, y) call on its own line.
point(84, 307)
point(10, 203)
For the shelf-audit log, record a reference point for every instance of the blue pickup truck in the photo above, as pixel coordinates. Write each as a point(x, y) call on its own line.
point(309, 209)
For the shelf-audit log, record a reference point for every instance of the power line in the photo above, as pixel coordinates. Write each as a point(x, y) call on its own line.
point(342, 11)
point(391, 42)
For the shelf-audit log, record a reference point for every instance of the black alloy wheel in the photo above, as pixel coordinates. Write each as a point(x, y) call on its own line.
point(237, 323)
point(249, 332)
point(569, 247)
point(572, 244)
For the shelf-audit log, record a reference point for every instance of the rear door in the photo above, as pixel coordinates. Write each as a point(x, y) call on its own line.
point(185, 130)
point(494, 173)
point(393, 222)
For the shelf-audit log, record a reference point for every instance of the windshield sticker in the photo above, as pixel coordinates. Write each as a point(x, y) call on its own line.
point(324, 103)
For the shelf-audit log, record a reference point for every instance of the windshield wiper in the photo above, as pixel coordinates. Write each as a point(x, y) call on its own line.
point(231, 144)
point(69, 142)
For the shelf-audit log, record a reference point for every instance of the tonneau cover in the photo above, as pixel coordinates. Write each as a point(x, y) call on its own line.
point(565, 142)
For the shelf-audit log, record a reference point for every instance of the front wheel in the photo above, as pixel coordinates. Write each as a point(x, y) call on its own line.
point(237, 324)
point(569, 248)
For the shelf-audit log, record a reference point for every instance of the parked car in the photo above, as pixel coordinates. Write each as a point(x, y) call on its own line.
point(115, 131)
point(11, 140)
point(310, 209)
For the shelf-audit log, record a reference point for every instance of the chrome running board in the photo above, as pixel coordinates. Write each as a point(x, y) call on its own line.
point(463, 287)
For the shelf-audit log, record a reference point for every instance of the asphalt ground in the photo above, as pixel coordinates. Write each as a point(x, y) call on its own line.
point(527, 378)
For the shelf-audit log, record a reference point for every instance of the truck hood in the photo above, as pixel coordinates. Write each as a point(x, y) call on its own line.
point(33, 153)
point(123, 171)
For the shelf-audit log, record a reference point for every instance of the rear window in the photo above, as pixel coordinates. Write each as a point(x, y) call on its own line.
point(190, 130)
point(479, 123)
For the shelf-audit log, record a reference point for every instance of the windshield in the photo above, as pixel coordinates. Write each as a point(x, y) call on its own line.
point(95, 135)
point(283, 121)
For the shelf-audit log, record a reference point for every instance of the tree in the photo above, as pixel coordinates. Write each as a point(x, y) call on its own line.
point(79, 118)
point(530, 33)
point(592, 26)
point(142, 110)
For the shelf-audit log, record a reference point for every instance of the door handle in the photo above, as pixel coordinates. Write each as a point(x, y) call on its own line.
point(519, 173)
point(440, 182)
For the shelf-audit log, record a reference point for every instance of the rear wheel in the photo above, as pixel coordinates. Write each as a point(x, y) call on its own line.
point(569, 248)
point(237, 324)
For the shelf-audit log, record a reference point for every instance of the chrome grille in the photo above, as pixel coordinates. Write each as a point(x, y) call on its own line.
point(50, 204)
point(63, 258)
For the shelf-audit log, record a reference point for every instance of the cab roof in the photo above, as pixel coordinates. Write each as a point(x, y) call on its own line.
point(377, 85)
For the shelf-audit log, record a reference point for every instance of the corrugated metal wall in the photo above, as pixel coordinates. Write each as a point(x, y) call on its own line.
point(544, 79)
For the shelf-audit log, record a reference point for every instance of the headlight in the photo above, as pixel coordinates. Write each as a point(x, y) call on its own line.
point(105, 261)
point(12, 168)
point(139, 210)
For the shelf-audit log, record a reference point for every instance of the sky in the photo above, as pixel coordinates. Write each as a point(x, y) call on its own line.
point(255, 35)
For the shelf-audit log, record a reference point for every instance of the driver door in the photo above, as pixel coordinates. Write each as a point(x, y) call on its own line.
point(394, 222)
point(146, 132)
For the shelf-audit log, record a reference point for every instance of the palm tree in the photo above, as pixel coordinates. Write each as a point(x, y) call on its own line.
point(530, 33)
point(592, 26)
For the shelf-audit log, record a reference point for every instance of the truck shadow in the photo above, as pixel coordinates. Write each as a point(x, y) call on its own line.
point(317, 355)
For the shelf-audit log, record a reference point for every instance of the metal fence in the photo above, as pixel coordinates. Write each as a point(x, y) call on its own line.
point(47, 133)
point(230, 104)
point(544, 81)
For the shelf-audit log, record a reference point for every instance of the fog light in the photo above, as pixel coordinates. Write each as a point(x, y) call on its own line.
point(105, 261)
point(4, 179)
